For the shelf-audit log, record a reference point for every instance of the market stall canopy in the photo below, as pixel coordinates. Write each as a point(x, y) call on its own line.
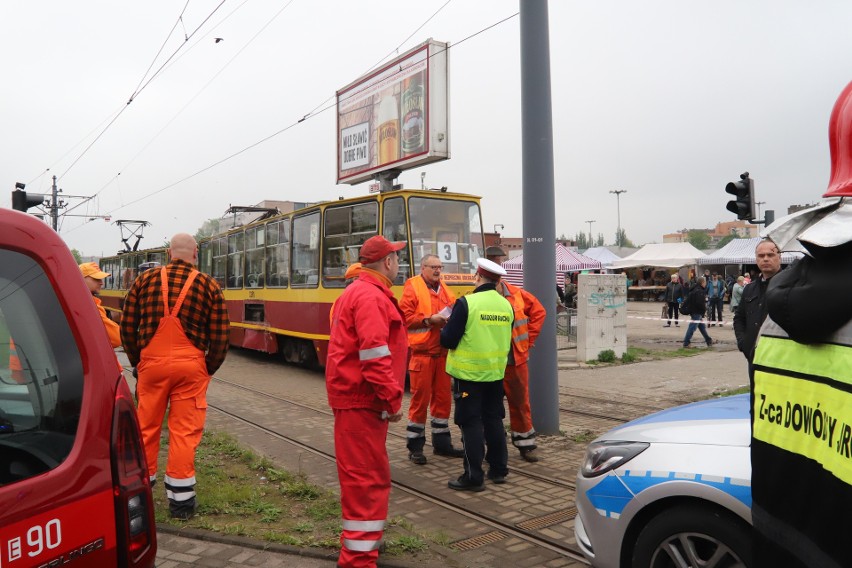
point(664, 255)
point(602, 255)
point(741, 251)
point(566, 261)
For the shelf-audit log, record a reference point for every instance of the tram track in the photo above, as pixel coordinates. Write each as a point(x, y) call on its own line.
point(514, 470)
point(491, 521)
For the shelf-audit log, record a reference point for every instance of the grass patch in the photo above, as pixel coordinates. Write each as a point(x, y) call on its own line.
point(638, 354)
point(240, 493)
point(583, 437)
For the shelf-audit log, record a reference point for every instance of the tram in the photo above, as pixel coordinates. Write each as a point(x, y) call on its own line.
point(280, 275)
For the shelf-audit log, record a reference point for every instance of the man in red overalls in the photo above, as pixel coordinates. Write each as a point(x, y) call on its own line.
point(426, 303)
point(365, 377)
point(175, 332)
point(529, 319)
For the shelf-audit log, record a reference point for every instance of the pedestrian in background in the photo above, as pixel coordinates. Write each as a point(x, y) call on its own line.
point(529, 318)
point(737, 293)
point(479, 337)
point(365, 378)
point(751, 311)
point(674, 295)
point(715, 299)
point(175, 332)
point(697, 299)
point(426, 304)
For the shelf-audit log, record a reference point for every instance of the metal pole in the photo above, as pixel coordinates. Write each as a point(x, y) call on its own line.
point(54, 206)
point(618, 193)
point(590, 233)
point(758, 204)
point(538, 198)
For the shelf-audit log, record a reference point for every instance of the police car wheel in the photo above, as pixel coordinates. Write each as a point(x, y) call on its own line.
point(690, 535)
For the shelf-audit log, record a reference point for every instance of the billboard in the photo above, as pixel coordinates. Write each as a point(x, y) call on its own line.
point(395, 117)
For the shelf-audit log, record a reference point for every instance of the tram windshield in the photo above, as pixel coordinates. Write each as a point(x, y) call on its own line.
point(450, 229)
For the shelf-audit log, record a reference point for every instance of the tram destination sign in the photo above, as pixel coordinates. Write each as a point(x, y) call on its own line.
point(395, 117)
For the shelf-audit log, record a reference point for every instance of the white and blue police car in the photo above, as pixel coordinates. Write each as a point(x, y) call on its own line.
point(671, 489)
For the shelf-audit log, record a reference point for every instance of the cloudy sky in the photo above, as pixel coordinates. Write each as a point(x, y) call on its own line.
point(666, 99)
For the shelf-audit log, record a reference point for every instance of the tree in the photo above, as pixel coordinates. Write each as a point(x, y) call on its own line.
point(623, 241)
point(78, 258)
point(582, 241)
point(208, 229)
point(726, 240)
point(698, 239)
point(600, 241)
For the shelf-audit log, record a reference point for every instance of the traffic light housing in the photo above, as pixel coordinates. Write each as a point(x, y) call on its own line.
point(21, 200)
point(743, 190)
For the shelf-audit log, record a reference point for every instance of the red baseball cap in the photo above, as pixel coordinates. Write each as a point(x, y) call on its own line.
point(376, 248)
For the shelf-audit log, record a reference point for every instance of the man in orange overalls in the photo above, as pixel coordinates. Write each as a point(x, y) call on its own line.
point(427, 302)
point(529, 318)
point(93, 276)
point(175, 332)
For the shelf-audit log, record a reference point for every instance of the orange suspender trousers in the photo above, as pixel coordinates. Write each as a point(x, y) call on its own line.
point(173, 373)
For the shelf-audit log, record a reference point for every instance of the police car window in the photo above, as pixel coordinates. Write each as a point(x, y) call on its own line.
point(41, 372)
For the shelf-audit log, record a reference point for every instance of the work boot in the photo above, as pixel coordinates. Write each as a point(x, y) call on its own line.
point(450, 452)
point(497, 479)
point(183, 510)
point(529, 455)
point(417, 457)
point(464, 483)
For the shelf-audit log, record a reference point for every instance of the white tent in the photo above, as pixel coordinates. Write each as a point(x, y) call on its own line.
point(668, 255)
point(566, 261)
point(741, 251)
point(603, 255)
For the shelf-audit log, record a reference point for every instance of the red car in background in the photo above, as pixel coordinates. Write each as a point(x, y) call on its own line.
point(74, 487)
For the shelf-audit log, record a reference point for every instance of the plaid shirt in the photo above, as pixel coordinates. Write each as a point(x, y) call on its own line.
point(203, 315)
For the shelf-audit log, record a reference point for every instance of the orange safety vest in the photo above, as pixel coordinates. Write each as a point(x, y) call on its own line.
point(418, 335)
point(520, 329)
point(15, 364)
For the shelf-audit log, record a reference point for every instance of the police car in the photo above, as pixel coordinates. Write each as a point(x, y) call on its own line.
point(74, 487)
point(672, 489)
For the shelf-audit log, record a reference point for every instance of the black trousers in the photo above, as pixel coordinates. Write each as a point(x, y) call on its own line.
point(479, 413)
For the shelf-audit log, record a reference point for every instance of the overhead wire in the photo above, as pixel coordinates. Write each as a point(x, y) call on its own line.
point(139, 90)
point(307, 116)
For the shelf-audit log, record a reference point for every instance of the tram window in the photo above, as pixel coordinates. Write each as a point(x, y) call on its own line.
point(220, 257)
point(128, 270)
point(394, 229)
point(254, 257)
point(159, 257)
point(305, 259)
point(448, 228)
point(346, 228)
point(110, 267)
point(236, 248)
point(278, 253)
point(205, 257)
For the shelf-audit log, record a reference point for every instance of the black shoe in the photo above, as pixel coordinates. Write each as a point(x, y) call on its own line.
point(450, 452)
point(465, 484)
point(677, 324)
point(710, 343)
point(667, 325)
point(497, 479)
point(529, 455)
point(417, 458)
point(183, 511)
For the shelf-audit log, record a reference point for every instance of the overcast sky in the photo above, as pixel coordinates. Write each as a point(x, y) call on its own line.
point(668, 100)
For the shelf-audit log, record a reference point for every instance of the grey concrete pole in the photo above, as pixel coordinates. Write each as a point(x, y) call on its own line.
point(539, 207)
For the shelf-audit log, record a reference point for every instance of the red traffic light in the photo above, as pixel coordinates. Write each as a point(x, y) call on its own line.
point(743, 190)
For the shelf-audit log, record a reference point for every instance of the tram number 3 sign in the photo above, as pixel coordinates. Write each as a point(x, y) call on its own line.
point(447, 251)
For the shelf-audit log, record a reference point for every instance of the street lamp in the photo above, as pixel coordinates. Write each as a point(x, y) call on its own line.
point(758, 204)
point(590, 232)
point(618, 193)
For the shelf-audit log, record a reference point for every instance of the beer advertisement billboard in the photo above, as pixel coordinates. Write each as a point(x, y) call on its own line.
point(396, 117)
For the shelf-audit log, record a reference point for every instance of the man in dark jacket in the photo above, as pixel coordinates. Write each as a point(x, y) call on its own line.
point(674, 294)
point(752, 308)
point(697, 306)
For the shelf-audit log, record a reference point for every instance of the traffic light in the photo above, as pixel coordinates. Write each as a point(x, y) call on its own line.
point(743, 205)
point(21, 200)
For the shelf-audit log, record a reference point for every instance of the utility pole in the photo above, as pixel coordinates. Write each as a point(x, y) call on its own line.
point(618, 193)
point(590, 232)
point(758, 204)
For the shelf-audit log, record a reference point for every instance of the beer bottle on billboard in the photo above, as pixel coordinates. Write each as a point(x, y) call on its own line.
point(413, 123)
point(388, 130)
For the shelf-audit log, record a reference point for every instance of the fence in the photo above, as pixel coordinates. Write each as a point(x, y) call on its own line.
point(566, 329)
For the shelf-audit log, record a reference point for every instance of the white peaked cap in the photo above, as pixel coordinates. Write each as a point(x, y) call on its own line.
point(490, 269)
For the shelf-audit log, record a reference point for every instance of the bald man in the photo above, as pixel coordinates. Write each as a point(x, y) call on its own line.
point(175, 332)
